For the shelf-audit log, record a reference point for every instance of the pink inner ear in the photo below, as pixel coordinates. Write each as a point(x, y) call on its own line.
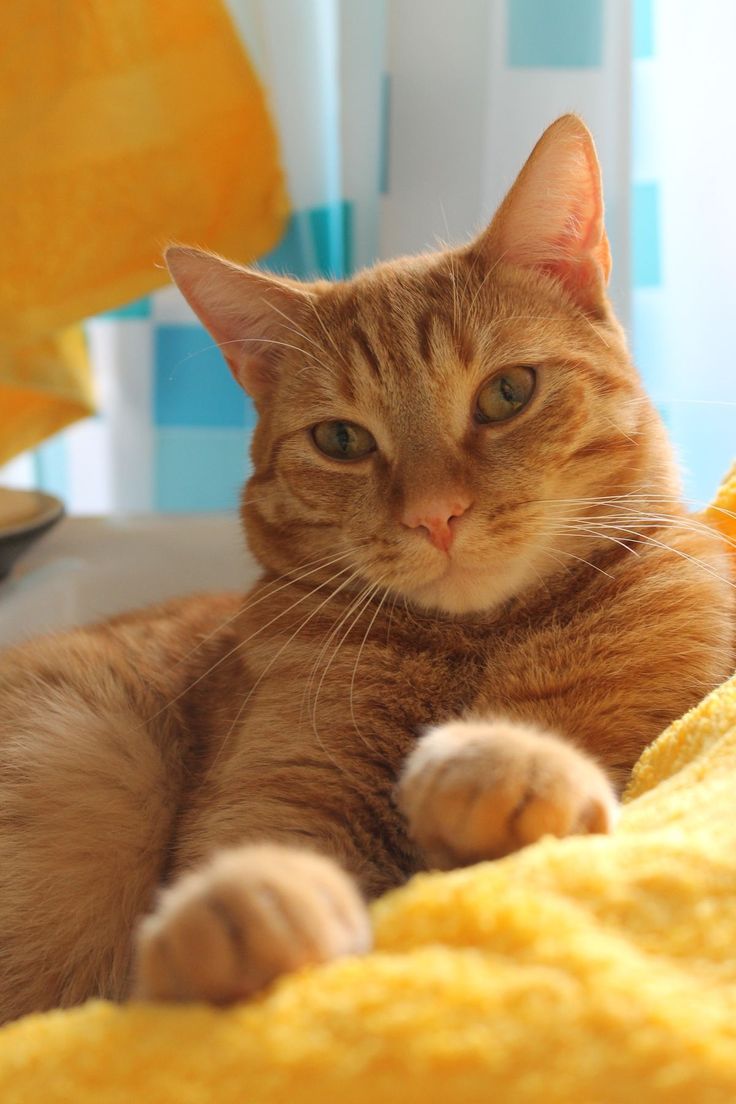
point(580, 255)
point(254, 374)
point(552, 219)
point(581, 278)
point(248, 313)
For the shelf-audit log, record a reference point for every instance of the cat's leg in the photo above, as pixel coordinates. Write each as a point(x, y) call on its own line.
point(253, 913)
point(480, 789)
point(470, 790)
point(290, 830)
point(88, 799)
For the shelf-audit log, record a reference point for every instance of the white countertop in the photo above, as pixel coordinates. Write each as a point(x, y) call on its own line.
point(87, 568)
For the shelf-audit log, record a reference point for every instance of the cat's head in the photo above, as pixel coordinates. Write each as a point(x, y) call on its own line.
point(436, 424)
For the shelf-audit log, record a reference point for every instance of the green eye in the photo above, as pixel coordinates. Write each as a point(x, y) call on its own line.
point(343, 440)
point(504, 395)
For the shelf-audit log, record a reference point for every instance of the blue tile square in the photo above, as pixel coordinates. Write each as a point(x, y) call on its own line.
point(647, 338)
point(139, 308)
point(643, 29)
point(199, 470)
point(566, 34)
point(703, 436)
point(331, 228)
point(290, 256)
point(51, 467)
point(317, 242)
point(646, 244)
point(192, 384)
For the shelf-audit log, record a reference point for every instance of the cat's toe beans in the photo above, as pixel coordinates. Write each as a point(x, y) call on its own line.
point(474, 790)
point(226, 932)
point(566, 800)
point(186, 952)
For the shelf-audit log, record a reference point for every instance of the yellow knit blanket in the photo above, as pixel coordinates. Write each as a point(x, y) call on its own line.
point(124, 124)
point(591, 970)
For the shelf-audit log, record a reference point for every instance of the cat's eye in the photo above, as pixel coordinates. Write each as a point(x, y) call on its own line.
point(504, 395)
point(343, 440)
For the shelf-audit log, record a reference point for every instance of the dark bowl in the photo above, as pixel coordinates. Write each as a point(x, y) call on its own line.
point(16, 537)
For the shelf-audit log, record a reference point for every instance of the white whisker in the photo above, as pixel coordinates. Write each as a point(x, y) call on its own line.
point(580, 559)
point(330, 636)
point(357, 661)
point(269, 665)
point(247, 640)
point(321, 563)
point(358, 603)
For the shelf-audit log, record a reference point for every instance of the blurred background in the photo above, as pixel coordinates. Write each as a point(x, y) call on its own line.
point(399, 124)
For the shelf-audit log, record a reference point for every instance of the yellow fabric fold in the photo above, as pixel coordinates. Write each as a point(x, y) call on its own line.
point(590, 970)
point(721, 513)
point(123, 125)
point(43, 388)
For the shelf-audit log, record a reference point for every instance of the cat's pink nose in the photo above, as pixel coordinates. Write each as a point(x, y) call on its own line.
point(435, 520)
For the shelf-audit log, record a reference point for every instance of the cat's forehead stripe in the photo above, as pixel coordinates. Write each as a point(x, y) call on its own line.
point(424, 323)
point(364, 345)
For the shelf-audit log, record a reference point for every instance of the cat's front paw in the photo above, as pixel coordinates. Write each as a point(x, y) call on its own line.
point(474, 790)
point(227, 931)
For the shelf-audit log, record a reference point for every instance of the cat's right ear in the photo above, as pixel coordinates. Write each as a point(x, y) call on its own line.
point(552, 219)
point(251, 315)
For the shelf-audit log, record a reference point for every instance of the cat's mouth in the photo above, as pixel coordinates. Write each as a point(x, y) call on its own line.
point(455, 588)
point(454, 592)
point(472, 581)
point(490, 561)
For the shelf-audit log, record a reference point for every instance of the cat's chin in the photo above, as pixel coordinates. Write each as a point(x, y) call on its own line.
point(464, 590)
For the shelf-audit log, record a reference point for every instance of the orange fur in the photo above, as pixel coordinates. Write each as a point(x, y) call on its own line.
point(531, 591)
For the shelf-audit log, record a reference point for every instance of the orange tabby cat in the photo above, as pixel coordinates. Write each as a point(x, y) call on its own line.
point(481, 598)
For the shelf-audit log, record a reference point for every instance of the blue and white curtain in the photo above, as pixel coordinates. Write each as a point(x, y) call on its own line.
point(402, 123)
point(684, 228)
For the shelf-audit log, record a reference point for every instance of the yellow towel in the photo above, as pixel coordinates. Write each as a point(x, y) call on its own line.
point(123, 124)
point(721, 514)
point(591, 970)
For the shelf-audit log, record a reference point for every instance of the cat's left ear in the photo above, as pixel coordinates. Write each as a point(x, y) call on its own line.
point(552, 219)
point(251, 315)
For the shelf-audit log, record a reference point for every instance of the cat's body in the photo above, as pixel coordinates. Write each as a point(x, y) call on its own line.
point(558, 587)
